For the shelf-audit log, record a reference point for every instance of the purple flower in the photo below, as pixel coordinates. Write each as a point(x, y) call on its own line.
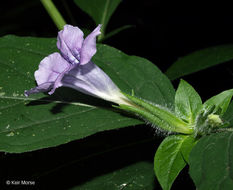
point(73, 68)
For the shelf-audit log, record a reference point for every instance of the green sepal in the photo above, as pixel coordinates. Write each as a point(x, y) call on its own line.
point(157, 115)
point(146, 116)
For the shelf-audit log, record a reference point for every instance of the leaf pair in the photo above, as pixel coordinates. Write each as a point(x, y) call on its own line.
point(173, 153)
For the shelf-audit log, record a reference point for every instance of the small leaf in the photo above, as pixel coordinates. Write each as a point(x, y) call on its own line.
point(137, 176)
point(219, 102)
point(187, 102)
point(200, 60)
point(211, 163)
point(170, 158)
point(100, 10)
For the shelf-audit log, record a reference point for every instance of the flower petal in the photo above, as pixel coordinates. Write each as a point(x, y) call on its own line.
point(45, 87)
point(89, 46)
point(50, 68)
point(49, 75)
point(69, 42)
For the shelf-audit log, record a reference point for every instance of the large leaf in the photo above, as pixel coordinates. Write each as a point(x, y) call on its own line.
point(171, 158)
point(100, 10)
point(187, 102)
point(43, 121)
point(133, 177)
point(200, 60)
point(211, 162)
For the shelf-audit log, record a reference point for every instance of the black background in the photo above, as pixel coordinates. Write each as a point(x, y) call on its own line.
point(163, 31)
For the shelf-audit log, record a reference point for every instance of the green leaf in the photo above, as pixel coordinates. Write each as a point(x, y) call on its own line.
point(187, 146)
point(187, 102)
point(219, 102)
point(200, 60)
point(171, 157)
point(42, 121)
point(137, 176)
point(211, 163)
point(147, 81)
point(100, 10)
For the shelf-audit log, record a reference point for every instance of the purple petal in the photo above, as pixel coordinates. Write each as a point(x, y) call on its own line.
point(50, 68)
point(69, 42)
point(57, 82)
point(45, 87)
point(49, 75)
point(89, 46)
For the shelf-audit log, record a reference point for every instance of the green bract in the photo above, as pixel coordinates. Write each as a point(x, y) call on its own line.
point(157, 115)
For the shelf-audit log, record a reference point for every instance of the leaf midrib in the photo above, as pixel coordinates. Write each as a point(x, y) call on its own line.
point(176, 155)
point(24, 49)
point(48, 120)
point(105, 13)
point(46, 100)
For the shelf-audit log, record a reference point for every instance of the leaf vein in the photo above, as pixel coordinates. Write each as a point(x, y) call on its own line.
point(10, 106)
point(25, 49)
point(49, 120)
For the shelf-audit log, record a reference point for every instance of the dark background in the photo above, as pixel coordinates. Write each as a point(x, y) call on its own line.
point(162, 31)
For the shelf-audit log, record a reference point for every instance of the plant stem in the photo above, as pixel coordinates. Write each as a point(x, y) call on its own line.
point(54, 13)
